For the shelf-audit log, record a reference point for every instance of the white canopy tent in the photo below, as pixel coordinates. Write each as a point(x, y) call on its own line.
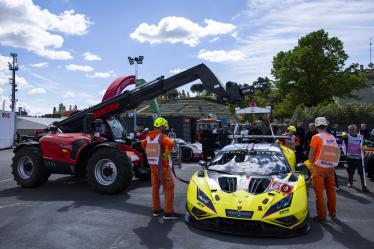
point(32, 123)
point(253, 110)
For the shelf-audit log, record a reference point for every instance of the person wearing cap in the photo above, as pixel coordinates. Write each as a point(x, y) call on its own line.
point(352, 146)
point(158, 148)
point(292, 141)
point(324, 155)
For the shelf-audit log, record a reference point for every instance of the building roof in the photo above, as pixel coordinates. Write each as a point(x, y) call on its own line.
point(192, 107)
point(366, 94)
point(27, 123)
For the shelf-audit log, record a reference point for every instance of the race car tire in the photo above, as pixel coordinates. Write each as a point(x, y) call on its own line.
point(109, 171)
point(28, 167)
point(187, 154)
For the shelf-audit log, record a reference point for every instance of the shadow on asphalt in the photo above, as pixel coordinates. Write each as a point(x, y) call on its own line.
point(151, 239)
point(345, 235)
point(80, 194)
point(310, 237)
point(348, 194)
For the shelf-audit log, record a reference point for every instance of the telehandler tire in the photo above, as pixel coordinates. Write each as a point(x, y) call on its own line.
point(109, 171)
point(28, 167)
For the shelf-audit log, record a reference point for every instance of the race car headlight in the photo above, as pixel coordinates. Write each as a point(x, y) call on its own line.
point(204, 199)
point(282, 204)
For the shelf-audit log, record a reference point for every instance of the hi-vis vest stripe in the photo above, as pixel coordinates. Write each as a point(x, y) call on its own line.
point(153, 150)
point(330, 152)
point(354, 146)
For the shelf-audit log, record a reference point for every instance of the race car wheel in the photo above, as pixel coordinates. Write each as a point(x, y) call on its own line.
point(187, 154)
point(109, 171)
point(28, 168)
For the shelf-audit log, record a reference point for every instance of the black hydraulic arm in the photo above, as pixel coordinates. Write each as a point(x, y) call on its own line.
point(131, 99)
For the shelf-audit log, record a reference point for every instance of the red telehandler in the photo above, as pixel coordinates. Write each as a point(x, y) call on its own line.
point(90, 142)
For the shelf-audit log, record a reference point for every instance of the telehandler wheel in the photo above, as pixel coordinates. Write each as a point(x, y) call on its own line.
point(109, 171)
point(28, 168)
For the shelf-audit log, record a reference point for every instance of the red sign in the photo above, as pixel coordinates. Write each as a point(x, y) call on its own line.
point(107, 109)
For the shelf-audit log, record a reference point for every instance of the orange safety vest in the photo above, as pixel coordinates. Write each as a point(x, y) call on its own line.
point(329, 152)
point(153, 150)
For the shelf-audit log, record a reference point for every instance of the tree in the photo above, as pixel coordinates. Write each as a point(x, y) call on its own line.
point(197, 88)
point(61, 108)
point(313, 73)
point(54, 110)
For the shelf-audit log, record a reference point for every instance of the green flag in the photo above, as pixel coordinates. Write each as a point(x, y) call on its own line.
point(153, 104)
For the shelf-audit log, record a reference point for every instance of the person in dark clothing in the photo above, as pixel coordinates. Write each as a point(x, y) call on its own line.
point(336, 130)
point(364, 131)
point(208, 142)
point(254, 130)
point(299, 149)
point(222, 137)
point(308, 137)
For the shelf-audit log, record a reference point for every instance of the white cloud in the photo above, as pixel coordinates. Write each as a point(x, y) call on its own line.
point(92, 101)
point(102, 75)
point(68, 94)
point(71, 94)
point(91, 57)
point(37, 90)
point(221, 55)
point(73, 67)
point(174, 29)
point(102, 92)
point(21, 82)
point(41, 64)
point(1, 91)
point(177, 70)
point(272, 27)
point(26, 25)
point(4, 70)
point(214, 39)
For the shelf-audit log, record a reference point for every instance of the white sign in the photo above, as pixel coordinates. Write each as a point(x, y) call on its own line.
point(7, 129)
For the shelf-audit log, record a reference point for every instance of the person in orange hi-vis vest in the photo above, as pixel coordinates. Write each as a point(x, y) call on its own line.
point(324, 155)
point(158, 147)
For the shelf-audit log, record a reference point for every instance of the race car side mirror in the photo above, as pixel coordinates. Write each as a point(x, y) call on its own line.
point(301, 168)
point(203, 164)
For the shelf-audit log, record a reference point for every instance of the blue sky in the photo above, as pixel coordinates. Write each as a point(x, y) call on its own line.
point(70, 51)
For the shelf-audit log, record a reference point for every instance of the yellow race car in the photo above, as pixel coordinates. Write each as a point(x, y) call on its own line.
point(250, 189)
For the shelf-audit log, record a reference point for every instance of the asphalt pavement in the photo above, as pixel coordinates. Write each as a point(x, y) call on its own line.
point(66, 213)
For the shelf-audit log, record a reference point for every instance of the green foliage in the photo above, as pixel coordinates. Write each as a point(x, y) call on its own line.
point(312, 73)
point(197, 88)
point(352, 113)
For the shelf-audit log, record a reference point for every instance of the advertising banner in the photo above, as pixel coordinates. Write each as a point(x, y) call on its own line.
point(7, 129)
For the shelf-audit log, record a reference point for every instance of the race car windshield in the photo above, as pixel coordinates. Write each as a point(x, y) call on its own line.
point(255, 163)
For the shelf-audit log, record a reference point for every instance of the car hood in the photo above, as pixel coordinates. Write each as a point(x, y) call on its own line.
point(254, 185)
point(247, 193)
